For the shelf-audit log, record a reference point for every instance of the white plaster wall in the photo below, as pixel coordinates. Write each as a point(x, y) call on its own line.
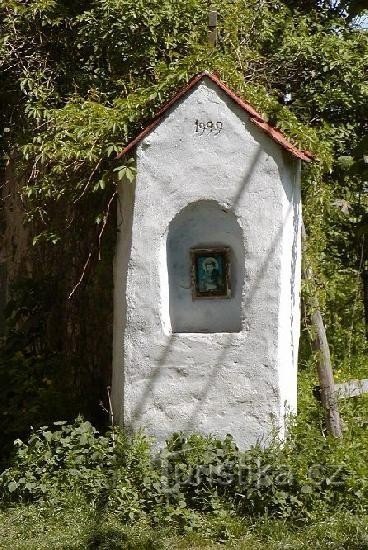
point(121, 262)
point(289, 309)
point(211, 382)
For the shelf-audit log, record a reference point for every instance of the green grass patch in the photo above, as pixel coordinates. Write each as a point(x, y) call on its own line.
point(77, 526)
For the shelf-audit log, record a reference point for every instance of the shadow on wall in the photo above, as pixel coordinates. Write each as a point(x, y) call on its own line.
point(216, 226)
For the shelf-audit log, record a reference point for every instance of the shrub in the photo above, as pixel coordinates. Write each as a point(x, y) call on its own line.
point(192, 475)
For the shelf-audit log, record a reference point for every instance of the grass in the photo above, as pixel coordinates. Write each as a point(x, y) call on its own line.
point(35, 527)
point(77, 526)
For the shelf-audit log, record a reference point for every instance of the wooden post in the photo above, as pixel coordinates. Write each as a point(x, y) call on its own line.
point(212, 27)
point(365, 297)
point(325, 374)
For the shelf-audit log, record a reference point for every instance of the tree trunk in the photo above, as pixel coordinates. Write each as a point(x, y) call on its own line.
point(320, 343)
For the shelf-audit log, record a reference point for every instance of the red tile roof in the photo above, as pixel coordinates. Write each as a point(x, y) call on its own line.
point(255, 117)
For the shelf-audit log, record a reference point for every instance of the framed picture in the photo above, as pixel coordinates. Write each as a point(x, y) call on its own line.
point(211, 272)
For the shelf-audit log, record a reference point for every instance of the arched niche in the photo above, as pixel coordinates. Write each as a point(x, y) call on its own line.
point(204, 225)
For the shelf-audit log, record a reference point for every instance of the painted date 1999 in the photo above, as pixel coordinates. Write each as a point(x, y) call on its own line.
point(208, 127)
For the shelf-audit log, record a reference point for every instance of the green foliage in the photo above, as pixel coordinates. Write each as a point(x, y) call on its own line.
point(38, 382)
point(32, 380)
point(118, 60)
point(78, 526)
point(66, 456)
point(305, 476)
point(110, 490)
point(87, 75)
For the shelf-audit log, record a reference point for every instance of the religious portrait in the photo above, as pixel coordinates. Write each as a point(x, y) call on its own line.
point(211, 272)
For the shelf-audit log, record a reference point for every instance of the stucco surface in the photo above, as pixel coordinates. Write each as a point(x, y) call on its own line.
point(213, 382)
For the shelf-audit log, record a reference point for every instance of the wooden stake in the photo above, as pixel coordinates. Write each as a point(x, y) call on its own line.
point(212, 27)
point(320, 342)
point(365, 297)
